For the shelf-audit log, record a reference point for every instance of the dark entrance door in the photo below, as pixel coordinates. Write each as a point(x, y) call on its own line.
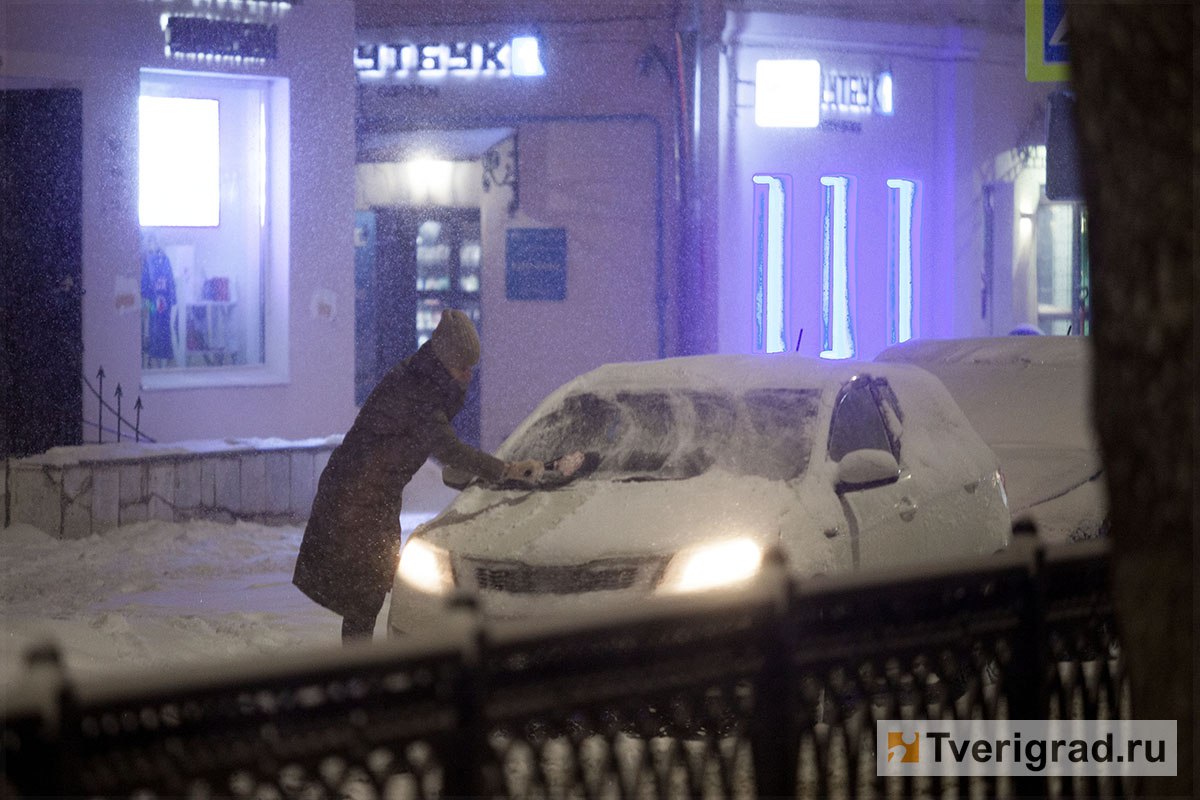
point(423, 260)
point(41, 205)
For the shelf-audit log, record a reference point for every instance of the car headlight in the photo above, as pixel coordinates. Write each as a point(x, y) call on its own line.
point(425, 567)
point(711, 566)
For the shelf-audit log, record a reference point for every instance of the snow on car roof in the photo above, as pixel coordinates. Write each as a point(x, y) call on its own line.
point(713, 372)
point(924, 397)
point(724, 370)
point(1032, 390)
point(1031, 350)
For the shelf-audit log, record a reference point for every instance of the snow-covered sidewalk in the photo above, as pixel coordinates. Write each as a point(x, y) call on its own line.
point(159, 593)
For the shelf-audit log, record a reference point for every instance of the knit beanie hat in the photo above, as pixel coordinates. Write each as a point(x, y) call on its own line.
point(454, 340)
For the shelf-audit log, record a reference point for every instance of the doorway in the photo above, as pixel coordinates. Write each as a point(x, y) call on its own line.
point(41, 320)
point(411, 264)
point(1062, 269)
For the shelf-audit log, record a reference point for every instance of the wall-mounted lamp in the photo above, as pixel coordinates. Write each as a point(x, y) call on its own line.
point(501, 167)
point(430, 179)
point(429, 172)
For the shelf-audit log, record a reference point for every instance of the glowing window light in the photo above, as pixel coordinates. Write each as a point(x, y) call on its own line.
point(526, 58)
point(772, 255)
point(837, 268)
point(787, 93)
point(904, 257)
point(178, 162)
point(262, 165)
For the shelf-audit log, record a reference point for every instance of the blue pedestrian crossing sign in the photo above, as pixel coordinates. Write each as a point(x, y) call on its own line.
point(1046, 38)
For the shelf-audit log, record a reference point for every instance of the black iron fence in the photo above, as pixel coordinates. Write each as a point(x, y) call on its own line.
point(772, 693)
point(133, 428)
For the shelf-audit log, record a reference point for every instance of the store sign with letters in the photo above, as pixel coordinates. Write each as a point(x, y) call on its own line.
point(855, 93)
point(518, 57)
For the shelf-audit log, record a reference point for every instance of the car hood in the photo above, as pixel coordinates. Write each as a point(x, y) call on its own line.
point(1036, 474)
point(596, 519)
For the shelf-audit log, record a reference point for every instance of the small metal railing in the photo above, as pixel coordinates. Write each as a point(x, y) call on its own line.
point(102, 404)
point(773, 692)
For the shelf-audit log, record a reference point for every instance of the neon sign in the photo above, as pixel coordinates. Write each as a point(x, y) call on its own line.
point(519, 57)
point(853, 94)
point(846, 92)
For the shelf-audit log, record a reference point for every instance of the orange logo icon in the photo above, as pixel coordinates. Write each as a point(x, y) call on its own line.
point(906, 752)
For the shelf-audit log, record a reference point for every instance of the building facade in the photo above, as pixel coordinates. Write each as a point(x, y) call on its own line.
point(276, 200)
point(523, 171)
point(203, 207)
point(858, 166)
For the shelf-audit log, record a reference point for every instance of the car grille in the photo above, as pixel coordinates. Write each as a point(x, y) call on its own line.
point(595, 576)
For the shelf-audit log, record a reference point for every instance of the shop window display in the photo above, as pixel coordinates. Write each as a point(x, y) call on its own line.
point(205, 218)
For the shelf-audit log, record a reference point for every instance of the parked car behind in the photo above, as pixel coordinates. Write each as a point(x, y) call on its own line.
point(1029, 397)
point(703, 463)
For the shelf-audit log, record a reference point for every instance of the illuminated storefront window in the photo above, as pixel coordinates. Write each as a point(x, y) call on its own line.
point(771, 249)
point(179, 139)
point(837, 267)
point(904, 258)
point(205, 201)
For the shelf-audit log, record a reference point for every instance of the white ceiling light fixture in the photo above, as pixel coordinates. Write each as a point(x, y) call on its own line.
point(787, 93)
point(428, 172)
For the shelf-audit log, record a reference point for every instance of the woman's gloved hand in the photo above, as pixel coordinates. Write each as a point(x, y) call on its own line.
point(569, 464)
point(527, 471)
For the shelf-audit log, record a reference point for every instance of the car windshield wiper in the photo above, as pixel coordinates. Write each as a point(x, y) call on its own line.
point(650, 478)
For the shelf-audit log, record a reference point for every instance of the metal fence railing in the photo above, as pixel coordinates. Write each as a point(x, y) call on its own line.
point(134, 427)
point(772, 693)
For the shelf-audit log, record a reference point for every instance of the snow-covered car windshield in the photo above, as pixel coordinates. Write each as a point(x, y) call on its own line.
point(661, 435)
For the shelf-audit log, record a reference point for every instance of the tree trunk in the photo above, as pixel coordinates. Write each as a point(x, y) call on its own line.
point(1133, 75)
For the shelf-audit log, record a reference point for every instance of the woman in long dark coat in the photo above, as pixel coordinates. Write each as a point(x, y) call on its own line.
point(351, 545)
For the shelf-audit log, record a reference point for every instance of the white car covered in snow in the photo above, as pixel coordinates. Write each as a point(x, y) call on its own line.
point(703, 464)
point(1029, 398)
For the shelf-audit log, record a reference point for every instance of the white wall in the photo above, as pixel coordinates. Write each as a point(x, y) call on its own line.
point(572, 177)
point(99, 46)
point(568, 179)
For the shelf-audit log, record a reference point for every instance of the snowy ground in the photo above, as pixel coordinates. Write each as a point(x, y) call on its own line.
point(159, 593)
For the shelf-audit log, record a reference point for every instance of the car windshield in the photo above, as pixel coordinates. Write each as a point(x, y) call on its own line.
point(661, 435)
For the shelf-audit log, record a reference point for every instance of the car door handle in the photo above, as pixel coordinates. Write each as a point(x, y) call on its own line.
point(907, 509)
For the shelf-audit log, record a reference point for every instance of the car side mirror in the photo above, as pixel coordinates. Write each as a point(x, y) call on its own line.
point(863, 469)
point(456, 478)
